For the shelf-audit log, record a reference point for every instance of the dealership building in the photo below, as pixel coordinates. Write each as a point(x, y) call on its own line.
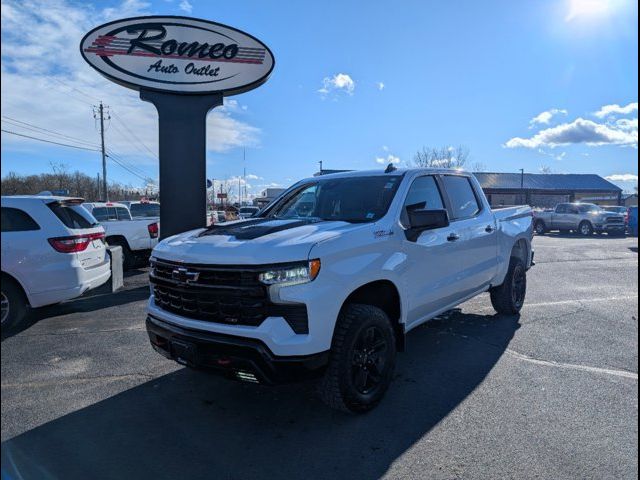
point(547, 189)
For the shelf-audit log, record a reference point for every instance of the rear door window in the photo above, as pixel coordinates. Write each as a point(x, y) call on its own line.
point(105, 214)
point(16, 220)
point(73, 216)
point(464, 203)
point(145, 210)
point(122, 213)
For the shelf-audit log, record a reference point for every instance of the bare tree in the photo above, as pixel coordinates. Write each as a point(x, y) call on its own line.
point(443, 157)
point(545, 169)
point(478, 167)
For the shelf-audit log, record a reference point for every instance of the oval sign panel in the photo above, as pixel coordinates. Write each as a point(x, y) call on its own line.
point(178, 55)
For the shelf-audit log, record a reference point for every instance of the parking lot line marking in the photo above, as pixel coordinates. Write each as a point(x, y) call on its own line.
point(586, 300)
point(573, 366)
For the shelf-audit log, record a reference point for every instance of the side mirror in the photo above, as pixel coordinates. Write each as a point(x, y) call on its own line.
point(421, 220)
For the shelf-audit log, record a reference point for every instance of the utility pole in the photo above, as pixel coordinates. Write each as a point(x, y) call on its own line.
point(320, 162)
point(100, 114)
point(522, 185)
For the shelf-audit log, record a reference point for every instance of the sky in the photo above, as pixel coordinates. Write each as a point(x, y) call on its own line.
point(534, 84)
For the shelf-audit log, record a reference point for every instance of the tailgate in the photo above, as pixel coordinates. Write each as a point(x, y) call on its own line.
point(84, 228)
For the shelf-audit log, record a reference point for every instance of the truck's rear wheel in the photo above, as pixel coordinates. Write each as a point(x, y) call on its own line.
point(129, 260)
point(508, 298)
point(362, 361)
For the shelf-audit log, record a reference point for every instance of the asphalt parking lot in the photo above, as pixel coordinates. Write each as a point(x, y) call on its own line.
point(552, 393)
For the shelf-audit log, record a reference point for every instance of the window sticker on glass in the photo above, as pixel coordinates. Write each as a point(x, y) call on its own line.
point(370, 215)
point(389, 185)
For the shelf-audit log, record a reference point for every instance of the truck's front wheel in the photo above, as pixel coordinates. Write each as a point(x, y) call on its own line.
point(363, 354)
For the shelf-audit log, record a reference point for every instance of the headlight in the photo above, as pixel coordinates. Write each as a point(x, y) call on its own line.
point(292, 275)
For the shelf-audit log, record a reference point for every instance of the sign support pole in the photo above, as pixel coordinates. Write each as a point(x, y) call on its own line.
point(182, 150)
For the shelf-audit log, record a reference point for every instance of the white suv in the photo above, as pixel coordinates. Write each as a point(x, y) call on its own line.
point(52, 250)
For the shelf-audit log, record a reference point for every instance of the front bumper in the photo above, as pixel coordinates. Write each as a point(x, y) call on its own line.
point(615, 228)
point(236, 357)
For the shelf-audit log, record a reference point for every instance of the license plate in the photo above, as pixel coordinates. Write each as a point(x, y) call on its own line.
point(184, 352)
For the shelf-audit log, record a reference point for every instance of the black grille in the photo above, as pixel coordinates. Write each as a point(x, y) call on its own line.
point(229, 295)
point(615, 221)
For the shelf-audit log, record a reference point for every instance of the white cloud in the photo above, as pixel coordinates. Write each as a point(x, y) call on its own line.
point(579, 131)
point(385, 148)
point(546, 116)
point(341, 82)
point(45, 81)
point(616, 109)
point(251, 176)
point(185, 6)
point(380, 85)
point(622, 177)
point(389, 159)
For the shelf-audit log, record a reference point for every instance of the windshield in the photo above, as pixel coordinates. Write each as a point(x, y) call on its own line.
point(349, 199)
point(588, 208)
point(248, 209)
point(145, 209)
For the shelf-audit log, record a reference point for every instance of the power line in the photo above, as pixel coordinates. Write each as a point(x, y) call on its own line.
point(35, 128)
point(146, 179)
point(49, 141)
point(93, 99)
point(134, 135)
point(135, 144)
point(111, 153)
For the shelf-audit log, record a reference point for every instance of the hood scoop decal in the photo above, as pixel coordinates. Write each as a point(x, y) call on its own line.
point(254, 228)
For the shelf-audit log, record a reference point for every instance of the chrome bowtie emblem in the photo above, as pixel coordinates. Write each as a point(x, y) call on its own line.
point(183, 275)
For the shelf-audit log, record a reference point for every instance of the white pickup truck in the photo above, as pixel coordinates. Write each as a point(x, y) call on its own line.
point(136, 236)
point(332, 288)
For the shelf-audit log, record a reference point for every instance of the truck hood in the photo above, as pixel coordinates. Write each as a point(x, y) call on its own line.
point(251, 242)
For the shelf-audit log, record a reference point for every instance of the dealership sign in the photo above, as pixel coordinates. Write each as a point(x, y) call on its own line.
point(178, 55)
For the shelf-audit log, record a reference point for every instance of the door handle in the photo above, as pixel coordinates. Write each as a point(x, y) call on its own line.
point(453, 237)
point(489, 229)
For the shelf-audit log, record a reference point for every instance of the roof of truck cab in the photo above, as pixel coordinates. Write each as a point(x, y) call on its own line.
point(381, 172)
point(107, 204)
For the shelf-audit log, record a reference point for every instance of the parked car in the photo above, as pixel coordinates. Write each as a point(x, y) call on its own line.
point(624, 211)
point(331, 291)
point(633, 221)
point(144, 209)
point(584, 218)
point(52, 250)
point(136, 236)
point(247, 212)
point(218, 216)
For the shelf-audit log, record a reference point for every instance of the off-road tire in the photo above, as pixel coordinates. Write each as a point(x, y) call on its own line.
point(338, 388)
point(508, 298)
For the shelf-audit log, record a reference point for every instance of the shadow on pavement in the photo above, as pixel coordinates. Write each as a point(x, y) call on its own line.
point(595, 236)
point(191, 425)
point(87, 303)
